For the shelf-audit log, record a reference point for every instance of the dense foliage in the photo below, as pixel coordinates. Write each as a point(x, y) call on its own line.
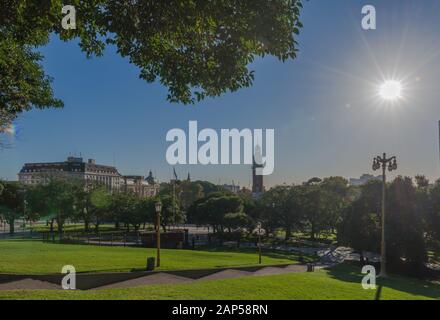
point(194, 48)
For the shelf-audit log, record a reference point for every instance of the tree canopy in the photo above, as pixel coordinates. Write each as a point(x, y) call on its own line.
point(194, 48)
point(12, 205)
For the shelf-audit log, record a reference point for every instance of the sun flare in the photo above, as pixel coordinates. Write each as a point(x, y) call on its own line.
point(391, 90)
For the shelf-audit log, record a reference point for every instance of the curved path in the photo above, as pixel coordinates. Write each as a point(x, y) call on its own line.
point(166, 278)
point(151, 278)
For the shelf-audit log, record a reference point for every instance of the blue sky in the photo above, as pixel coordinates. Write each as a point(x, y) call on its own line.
point(323, 106)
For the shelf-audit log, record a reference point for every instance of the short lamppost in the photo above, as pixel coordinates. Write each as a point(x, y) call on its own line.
point(378, 163)
point(158, 211)
point(259, 242)
point(25, 204)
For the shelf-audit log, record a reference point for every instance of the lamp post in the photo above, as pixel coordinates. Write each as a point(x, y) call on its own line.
point(25, 203)
point(158, 211)
point(378, 163)
point(259, 242)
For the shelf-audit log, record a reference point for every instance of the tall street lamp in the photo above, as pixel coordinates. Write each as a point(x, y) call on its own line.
point(378, 163)
point(158, 211)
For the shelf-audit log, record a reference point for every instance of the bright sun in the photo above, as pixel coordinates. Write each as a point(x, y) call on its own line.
point(391, 90)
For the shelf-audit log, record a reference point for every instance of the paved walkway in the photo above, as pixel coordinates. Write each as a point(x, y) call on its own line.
point(328, 255)
point(160, 278)
point(157, 278)
point(30, 284)
point(166, 278)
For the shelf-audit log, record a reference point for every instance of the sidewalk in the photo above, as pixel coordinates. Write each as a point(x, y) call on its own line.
point(108, 281)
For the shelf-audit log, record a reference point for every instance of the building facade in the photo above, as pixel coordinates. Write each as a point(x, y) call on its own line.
point(142, 187)
point(232, 187)
point(74, 167)
point(364, 179)
point(90, 172)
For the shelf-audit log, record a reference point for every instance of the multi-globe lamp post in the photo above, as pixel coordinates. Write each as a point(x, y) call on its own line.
point(384, 163)
point(390, 92)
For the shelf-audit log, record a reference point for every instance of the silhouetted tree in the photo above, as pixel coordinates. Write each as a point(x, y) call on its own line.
point(360, 224)
point(12, 203)
point(405, 235)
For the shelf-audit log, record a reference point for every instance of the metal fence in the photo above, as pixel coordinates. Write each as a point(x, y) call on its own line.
point(126, 239)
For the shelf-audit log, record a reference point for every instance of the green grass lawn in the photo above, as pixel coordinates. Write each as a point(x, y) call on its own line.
point(342, 282)
point(36, 257)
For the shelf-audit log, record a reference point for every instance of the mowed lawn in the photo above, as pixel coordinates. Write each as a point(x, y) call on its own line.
point(341, 282)
point(36, 257)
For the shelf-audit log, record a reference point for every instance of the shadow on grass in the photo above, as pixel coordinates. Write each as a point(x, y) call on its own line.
point(378, 293)
point(349, 272)
point(274, 254)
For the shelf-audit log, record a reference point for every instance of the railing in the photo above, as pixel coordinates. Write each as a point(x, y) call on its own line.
point(114, 238)
point(21, 235)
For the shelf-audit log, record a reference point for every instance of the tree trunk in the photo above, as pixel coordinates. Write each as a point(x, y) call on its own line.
point(288, 233)
point(361, 257)
point(267, 231)
point(11, 226)
point(312, 232)
point(60, 229)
